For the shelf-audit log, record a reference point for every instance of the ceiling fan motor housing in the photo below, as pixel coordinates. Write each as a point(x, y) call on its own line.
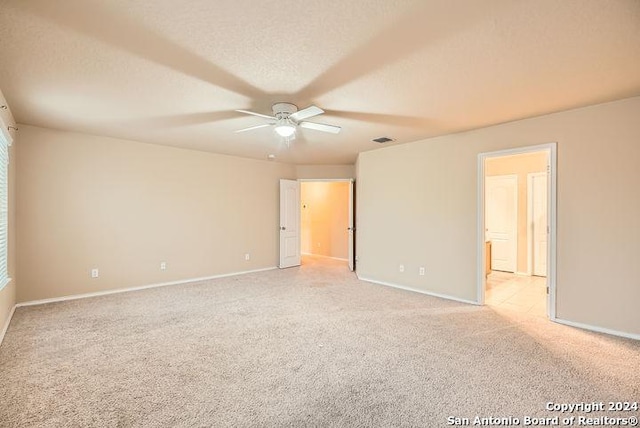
point(283, 110)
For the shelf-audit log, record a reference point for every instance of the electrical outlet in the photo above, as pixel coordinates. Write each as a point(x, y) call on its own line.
point(247, 256)
point(421, 271)
point(401, 268)
point(163, 265)
point(95, 273)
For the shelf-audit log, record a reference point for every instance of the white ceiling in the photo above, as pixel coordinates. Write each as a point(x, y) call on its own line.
point(173, 72)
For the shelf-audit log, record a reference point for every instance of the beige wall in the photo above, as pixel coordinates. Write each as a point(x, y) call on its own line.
point(123, 207)
point(325, 218)
point(520, 165)
point(417, 206)
point(325, 171)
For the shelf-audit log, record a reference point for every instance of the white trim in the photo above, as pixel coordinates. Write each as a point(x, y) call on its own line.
point(551, 149)
point(6, 324)
point(428, 293)
point(530, 223)
point(552, 223)
point(481, 279)
point(142, 287)
point(351, 227)
point(327, 179)
point(326, 257)
point(598, 329)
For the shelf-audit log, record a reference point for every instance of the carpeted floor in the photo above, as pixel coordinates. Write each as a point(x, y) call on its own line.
point(309, 346)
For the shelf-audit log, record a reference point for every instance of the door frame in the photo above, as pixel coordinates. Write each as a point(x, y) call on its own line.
point(514, 251)
point(551, 149)
point(352, 221)
point(530, 228)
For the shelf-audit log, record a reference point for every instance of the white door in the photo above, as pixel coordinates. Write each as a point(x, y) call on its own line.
point(351, 228)
point(289, 223)
point(539, 222)
point(501, 219)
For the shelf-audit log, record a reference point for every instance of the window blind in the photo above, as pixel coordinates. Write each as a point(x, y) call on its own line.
point(4, 209)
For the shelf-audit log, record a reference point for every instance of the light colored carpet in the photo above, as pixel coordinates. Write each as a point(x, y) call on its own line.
point(309, 346)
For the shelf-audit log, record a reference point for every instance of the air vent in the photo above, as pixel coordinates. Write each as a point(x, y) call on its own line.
point(382, 140)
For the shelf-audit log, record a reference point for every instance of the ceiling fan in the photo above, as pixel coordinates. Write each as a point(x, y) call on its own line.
point(286, 118)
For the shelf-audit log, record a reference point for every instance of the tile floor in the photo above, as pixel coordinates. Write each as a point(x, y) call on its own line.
point(524, 294)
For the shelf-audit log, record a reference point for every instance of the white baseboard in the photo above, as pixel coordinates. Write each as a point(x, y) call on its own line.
point(6, 324)
point(388, 284)
point(557, 320)
point(597, 329)
point(429, 293)
point(142, 287)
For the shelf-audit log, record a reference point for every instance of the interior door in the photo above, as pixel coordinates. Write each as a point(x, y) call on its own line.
point(539, 223)
point(289, 223)
point(501, 219)
point(352, 228)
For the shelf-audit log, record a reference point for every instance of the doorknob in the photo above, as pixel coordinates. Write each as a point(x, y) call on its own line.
point(283, 228)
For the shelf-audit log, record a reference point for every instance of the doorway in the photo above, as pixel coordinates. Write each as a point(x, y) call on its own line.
point(326, 213)
point(516, 237)
point(317, 218)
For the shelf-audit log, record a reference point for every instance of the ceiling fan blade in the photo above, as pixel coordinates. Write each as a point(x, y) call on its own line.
point(306, 113)
point(256, 114)
point(264, 125)
point(321, 127)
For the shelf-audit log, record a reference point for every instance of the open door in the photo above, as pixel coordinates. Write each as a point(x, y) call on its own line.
point(538, 221)
point(352, 228)
point(501, 220)
point(289, 223)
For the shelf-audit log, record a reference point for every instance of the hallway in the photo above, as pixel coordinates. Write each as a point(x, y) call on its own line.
point(523, 294)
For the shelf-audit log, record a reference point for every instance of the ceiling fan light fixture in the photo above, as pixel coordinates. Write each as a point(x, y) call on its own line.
point(286, 118)
point(285, 129)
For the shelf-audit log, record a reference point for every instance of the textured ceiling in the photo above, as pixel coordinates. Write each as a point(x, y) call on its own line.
point(173, 72)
